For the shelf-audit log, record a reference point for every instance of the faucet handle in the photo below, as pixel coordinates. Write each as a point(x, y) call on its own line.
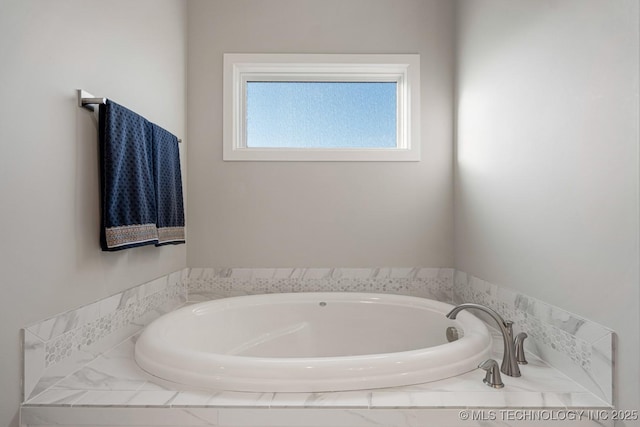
point(519, 342)
point(492, 378)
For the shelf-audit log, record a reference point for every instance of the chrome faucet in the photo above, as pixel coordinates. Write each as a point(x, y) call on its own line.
point(509, 363)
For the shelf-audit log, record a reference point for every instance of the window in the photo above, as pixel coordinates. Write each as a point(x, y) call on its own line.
point(321, 107)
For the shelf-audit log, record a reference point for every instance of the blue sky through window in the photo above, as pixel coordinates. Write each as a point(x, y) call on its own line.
point(321, 114)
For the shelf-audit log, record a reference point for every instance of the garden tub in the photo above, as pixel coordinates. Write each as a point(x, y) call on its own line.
point(311, 342)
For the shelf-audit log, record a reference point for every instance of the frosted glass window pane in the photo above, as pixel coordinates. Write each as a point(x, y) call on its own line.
point(321, 114)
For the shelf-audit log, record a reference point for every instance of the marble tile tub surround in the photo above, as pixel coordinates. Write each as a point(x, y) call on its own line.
point(581, 349)
point(116, 391)
point(58, 346)
point(211, 283)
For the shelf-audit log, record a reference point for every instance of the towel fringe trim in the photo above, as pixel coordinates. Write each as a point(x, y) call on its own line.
point(131, 234)
point(170, 234)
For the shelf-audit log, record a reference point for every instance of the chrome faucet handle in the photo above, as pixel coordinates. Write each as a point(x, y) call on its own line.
point(492, 378)
point(519, 345)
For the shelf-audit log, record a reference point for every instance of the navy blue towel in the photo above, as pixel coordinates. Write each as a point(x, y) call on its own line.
point(139, 172)
point(168, 180)
point(127, 183)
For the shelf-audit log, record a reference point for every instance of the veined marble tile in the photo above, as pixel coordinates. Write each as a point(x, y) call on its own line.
point(486, 398)
point(194, 274)
point(34, 362)
point(51, 375)
point(436, 403)
point(317, 273)
point(58, 397)
point(577, 346)
point(501, 399)
point(470, 381)
point(584, 400)
point(359, 273)
point(106, 398)
point(287, 417)
point(110, 304)
point(236, 398)
point(601, 371)
point(115, 370)
point(192, 398)
point(530, 399)
point(343, 399)
point(65, 322)
point(383, 417)
point(154, 386)
point(120, 416)
point(144, 398)
point(411, 399)
point(105, 374)
point(435, 283)
point(153, 398)
point(76, 337)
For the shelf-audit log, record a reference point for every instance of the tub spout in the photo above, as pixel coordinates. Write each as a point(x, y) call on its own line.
point(509, 364)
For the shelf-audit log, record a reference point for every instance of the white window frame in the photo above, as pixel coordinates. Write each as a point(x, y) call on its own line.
point(403, 69)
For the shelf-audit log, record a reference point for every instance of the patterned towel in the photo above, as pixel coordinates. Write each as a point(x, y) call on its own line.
point(140, 193)
point(168, 180)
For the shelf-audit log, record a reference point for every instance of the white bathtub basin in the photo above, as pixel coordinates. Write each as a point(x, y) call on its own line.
point(309, 342)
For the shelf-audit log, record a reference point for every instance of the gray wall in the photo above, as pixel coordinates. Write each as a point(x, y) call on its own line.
point(313, 214)
point(547, 158)
point(132, 52)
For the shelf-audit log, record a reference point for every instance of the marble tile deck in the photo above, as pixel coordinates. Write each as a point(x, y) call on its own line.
point(112, 390)
point(79, 368)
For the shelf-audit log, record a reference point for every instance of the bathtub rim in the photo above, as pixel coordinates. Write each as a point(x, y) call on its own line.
point(475, 345)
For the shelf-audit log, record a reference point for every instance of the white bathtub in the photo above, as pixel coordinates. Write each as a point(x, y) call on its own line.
point(310, 342)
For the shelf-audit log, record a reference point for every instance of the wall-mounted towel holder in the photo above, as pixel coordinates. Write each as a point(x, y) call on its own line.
point(87, 100)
